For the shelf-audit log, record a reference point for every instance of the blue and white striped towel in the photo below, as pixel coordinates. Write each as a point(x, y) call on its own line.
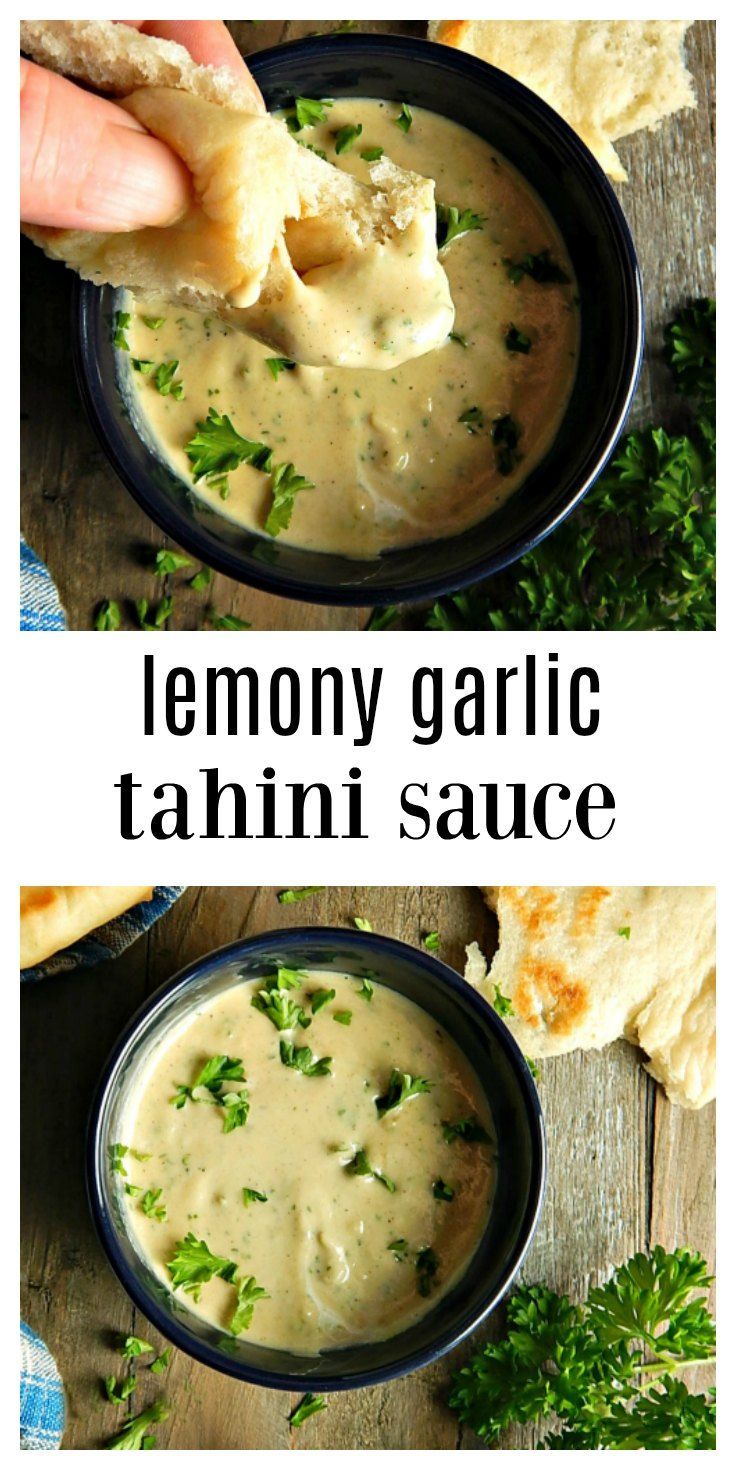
point(40, 608)
point(41, 1395)
point(110, 940)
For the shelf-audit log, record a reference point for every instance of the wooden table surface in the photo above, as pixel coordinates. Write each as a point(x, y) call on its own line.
point(96, 541)
point(627, 1170)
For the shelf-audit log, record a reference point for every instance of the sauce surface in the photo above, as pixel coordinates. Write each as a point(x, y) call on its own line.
point(407, 454)
point(345, 1257)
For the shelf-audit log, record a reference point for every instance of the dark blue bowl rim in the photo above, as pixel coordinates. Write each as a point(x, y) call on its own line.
point(195, 539)
point(373, 944)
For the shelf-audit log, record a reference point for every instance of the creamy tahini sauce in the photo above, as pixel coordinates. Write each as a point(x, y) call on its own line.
point(320, 1244)
point(391, 461)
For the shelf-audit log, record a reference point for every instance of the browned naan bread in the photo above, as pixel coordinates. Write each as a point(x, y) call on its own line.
point(584, 966)
point(52, 918)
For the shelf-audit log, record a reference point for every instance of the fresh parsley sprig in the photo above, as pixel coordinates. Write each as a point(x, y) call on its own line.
point(452, 223)
point(401, 1087)
point(193, 1264)
point(605, 1369)
point(361, 1165)
point(249, 1292)
point(301, 1060)
point(312, 1403)
point(134, 1434)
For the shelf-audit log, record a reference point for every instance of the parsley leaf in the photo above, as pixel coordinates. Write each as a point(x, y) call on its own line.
point(431, 942)
point(402, 1086)
point(443, 1191)
point(253, 1196)
point(120, 322)
point(300, 1058)
point(281, 1010)
point(295, 895)
point(363, 924)
point(153, 619)
point(453, 222)
point(154, 322)
point(215, 1072)
point(285, 486)
point(540, 268)
point(399, 1248)
point(320, 998)
point(371, 155)
point(161, 1363)
point(217, 448)
point(228, 622)
point(193, 1264)
point(405, 118)
point(133, 1433)
point(505, 434)
point(360, 1164)
point(132, 1347)
point(109, 617)
point(624, 933)
point(167, 562)
point(347, 136)
point(201, 579)
point(603, 1369)
point(343, 1018)
point(470, 1130)
point(426, 1266)
point(150, 1207)
point(459, 338)
point(117, 1393)
point(501, 1003)
point(516, 341)
point(278, 365)
point(307, 112)
point(143, 365)
point(473, 420)
point(249, 1292)
point(312, 1403)
point(166, 380)
point(366, 989)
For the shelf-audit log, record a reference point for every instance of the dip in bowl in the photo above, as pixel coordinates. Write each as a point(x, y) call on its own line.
point(428, 477)
point(355, 1266)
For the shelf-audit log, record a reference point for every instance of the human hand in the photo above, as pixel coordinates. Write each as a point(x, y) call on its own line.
point(86, 164)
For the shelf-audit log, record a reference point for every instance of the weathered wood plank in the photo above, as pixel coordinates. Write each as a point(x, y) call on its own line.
point(96, 541)
point(626, 1170)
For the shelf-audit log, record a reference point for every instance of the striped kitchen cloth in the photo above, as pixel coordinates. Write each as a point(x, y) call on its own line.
point(109, 940)
point(41, 1395)
point(40, 608)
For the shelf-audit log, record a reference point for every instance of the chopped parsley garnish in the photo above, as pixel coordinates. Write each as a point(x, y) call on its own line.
point(167, 382)
point(470, 1130)
point(505, 435)
point(347, 136)
point(453, 222)
point(228, 622)
point(253, 1196)
point(432, 942)
point(236, 1107)
point(402, 1086)
point(307, 112)
point(363, 924)
point(624, 933)
point(201, 579)
point(366, 989)
point(300, 1058)
point(249, 1292)
point(372, 155)
point(285, 979)
point(215, 1072)
point(193, 1264)
point(295, 895)
point(154, 322)
point(281, 1010)
point(427, 1266)
point(533, 1068)
point(360, 1164)
point(516, 341)
point(443, 1191)
point(501, 1003)
point(459, 338)
point(132, 1347)
point(151, 620)
point(109, 617)
point(312, 1403)
point(133, 1435)
point(120, 323)
point(143, 365)
point(116, 1152)
point(278, 365)
point(604, 1370)
point(117, 1393)
point(320, 998)
point(161, 1363)
point(285, 486)
point(167, 562)
point(473, 419)
point(382, 618)
point(399, 1248)
point(150, 1206)
point(343, 1017)
point(133, 1189)
point(217, 448)
point(404, 119)
point(540, 268)
point(320, 152)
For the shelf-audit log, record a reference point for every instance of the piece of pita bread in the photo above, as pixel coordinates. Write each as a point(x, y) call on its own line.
point(52, 918)
point(265, 210)
point(607, 78)
point(584, 966)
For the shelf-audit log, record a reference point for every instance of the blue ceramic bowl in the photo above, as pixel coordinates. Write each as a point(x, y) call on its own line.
point(512, 1098)
point(578, 196)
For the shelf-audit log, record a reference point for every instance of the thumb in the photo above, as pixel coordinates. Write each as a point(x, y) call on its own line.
point(87, 165)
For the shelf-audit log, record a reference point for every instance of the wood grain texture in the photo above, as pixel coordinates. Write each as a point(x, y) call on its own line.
point(77, 515)
point(626, 1170)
